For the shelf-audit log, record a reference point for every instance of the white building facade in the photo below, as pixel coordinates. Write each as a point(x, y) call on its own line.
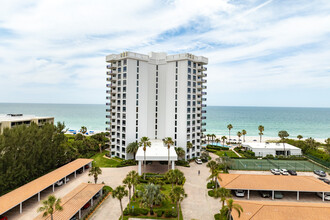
point(156, 96)
point(275, 149)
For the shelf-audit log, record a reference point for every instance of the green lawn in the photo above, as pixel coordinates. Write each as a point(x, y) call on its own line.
point(229, 153)
point(105, 162)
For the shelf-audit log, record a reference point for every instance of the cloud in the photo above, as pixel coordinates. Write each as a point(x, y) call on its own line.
point(54, 48)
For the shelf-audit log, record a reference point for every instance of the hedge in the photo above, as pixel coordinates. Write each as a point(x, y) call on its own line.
point(211, 193)
point(210, 185)
point(182, 163)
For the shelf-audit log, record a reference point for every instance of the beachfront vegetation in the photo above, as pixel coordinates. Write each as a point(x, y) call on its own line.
point(132, 148)
point(30, 152)
point(261, 130)
point(230, 126)
point(244, 133)
point(50, 205)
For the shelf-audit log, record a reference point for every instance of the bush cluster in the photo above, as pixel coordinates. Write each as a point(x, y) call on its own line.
point(125, 163)
point(182, 163)
point(210, 185)
point(211, 193)
point(215, 147)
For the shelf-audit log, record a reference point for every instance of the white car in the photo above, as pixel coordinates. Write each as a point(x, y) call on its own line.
point(59, 183)
point(240, 193)
point(275, 171)
point(284, 172)
point(326, 195)
point(198, 161)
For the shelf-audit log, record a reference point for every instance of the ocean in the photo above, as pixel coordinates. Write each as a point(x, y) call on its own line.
point(308, 122)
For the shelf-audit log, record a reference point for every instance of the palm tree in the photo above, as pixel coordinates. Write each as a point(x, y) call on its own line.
point(132, 148)
point(180, 152)
point(228, 209)
point(177, 194)
point(128, 181)
point(50, 205)
point(145, 141)
point(95, 171)
point(229, 128)
point(283, 135)
point(168, 142)
point(175, 176)
point(134, 176)
point(213, 137)
point(239, 134)
point(208, 138)
point(300, 137)
point(244, 133)
point(261, 129)
point(120, 192)
point(213, 166)
point(151, 195)
point(311, 143)
point(214, 175)
point(224, 162)
point(223, 193)
point(189, 146)
point(223, 138)
point(217, 141)
point(83, 129)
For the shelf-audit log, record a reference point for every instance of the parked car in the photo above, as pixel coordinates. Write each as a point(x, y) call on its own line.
point(239, 193)
point(265, 194)
point(198, 161)
point(284, 172)
point(59, 183)
point(278, 195)
point(97, 195)
point(80, 171)
point(326, 195)
point(292, 172)
point(86, 206)
point(320, 173)
point(3, 217)
point(324, 180)
point(86, 166)
point(67, 179)
point(275, 171)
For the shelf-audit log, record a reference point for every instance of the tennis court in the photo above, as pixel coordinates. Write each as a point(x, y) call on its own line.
point(265, 164)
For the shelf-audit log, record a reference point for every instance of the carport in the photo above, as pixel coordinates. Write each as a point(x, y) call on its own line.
point(273, 183)
point(35, 187)
point(157, 152)
point(73, 202)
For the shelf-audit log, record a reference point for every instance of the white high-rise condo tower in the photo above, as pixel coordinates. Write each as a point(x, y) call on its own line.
point(156, 96)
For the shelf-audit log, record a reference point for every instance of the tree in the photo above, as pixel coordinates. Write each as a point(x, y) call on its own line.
point(311, 143)
point(189, 146)
point(50, 205)
point(175, 177)
point(83, 129)
point(229, 128)
point(223, 138)
point(180, 152)
point(228, 209)
point(177, 194)
point(120, 192)
point(144, 142)
point(151, 195)
point(135, 179)
point(95, 171)
point(244, 133)
point(128, 181)
point(283, 135)
point(168, 142)
point(261, 129)
point(217, 140)
point(224, 162)
point(223, 193)
point(327, 147)
point(132, 148)
point(212, 138)
point(300, 137)
point(239, 134)
point(208, 138)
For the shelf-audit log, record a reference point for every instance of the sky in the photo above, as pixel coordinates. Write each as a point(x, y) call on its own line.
point(261, 52)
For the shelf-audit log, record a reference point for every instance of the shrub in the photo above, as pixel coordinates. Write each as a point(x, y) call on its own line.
point(210, 193)
point(174, 213)
point(135, 211)
point(210, 185)
point(126, 212)
point(217, 216)
point(144, 211)
point(269, 156)
point(125, 163)
point(182, 163)
point(107, 189)
point(159, 213)
point(168, 213)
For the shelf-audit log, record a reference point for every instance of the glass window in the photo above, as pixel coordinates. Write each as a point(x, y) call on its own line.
point(189, 63)
point(189, 70)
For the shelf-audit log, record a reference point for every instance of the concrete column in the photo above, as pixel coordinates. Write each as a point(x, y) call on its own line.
point(248, 196)
point(38, 196)
point(101, 192)
point(92, 202)
point(53, 187)
point(65, 180)
point(297, 195)
point(79, 213)
point(90, 164)
point(273, 195)
point(83, 168)
point(139, 170)
point(20, 208)
point(75, 174)
point(173, 165)
point(323, 196)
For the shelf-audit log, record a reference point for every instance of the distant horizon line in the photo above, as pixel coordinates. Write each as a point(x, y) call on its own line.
point(252, 106)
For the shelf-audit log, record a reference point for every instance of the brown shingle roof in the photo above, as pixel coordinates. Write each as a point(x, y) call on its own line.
point(260, 210)
point(15, 197)
point(74, 200)
point(273, 182)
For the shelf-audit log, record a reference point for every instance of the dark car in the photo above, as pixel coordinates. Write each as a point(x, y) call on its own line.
point(320, 173)
point(265, 194)
point(3, 217)
point(97, 195)
point(80, 171)
point(292, 172)
point(86, 166)
point(86, 206)
point(324, 180)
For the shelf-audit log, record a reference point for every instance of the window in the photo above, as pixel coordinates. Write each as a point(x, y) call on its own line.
point(156, 73)
point(125, 62)
point(189, 97)
point(137, 76)
point(176, 77)
point(137, 102)
point(137, 83)
point(137, 96)
point(124, 102)
point(119, 70)
point(137, 89)
point(137, 62)
point(176, 63)
point(176, 70)
point(194, 65)
point(119, 63)
point(124, 82)
point(156, 67)
point(189, 63)
point(194, 71)
point(189, 77)
point(124, 68)
point(137, 70)
point(176, 103)
point(189, 70)
point(189, 90)
point(189, 83)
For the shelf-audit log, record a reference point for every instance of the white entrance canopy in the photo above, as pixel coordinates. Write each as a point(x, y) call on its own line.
point(157, 152)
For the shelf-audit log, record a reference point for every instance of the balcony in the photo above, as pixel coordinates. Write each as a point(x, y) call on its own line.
point(108, 79)
point(108, 97)
point(113, 79)
point(107, 116)
point(108, 103)
point(107, 91)
point(108, 85)
point(204, 75)
point(107, 129)
point(203, 111)
point(204, 69)
point(113, 85)
point(203, 105)
point(203, 117)
point(107, 122)
point(109, 66)
point(204, 87)
point(204, 99)
point(204, 130)
point(204, 93)
point(204, 124)
point(204, 81)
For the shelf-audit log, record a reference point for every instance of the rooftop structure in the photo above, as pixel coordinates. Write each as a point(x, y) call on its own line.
point(270, 210)
point(74, 201)
point(21, 194)
point(12, 120)
point(263, 149)
point(156, 96)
